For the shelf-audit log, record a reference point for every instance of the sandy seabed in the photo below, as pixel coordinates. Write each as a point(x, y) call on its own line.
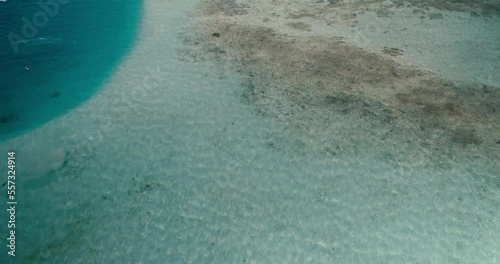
point(277, 132)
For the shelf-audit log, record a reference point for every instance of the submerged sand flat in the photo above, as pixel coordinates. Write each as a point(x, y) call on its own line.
point(305, 63)
point(274, 132)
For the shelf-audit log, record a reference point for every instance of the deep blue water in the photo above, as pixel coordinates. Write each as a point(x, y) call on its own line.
point(54, 57)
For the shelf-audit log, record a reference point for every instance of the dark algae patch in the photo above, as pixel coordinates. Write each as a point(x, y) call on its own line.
point(307, 81)
point(474, 7)
point(299, 26)
point(9, 119)
point(392, 51)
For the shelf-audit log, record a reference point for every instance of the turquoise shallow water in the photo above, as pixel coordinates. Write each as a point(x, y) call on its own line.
point(169, 164)
point(55, 56)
